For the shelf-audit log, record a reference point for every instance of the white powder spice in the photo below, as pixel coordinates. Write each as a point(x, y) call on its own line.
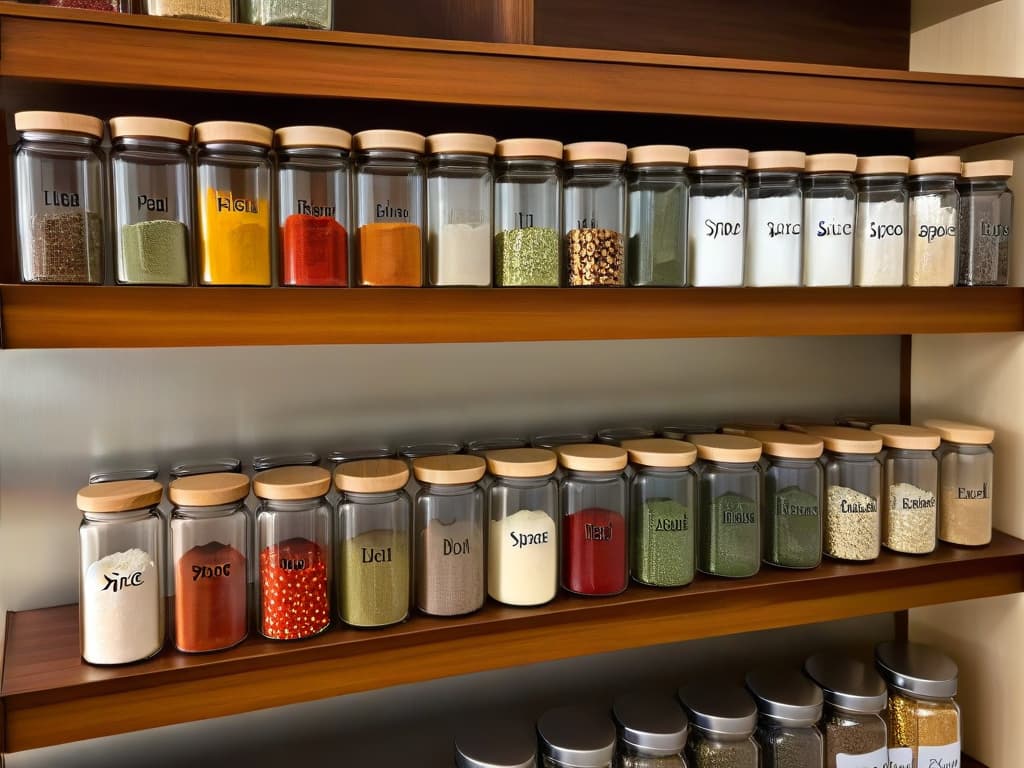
point(774, 240)
point(717, 231)
point(931, 259)
point(881, 244)
point(462, 255)
point(910, 519)
point(522, 558)
point(852, 524)
point(828, 240)
point(121, 609)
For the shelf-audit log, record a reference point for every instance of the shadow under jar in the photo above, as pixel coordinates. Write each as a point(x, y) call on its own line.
point(722, 722)
point(594, 213)
point(880, 247)
point(774, 219)
point(830, 211)
point(651, 731)
point(986, 223)
point(965, 482)
point(576, 737)
point(718, 216)
point(658, 194)
point(911, 494)
point(789, 706)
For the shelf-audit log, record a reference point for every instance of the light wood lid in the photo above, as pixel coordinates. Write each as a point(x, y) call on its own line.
point(658, 154)
point(453, 469)
point(830, 162)
point(788, 445)
point(546, 148)
point(846, 439)
point(904, 436)
point(229, 131)
point(593, 457)
point(313, 136)
point(719, 158)
point(120, 496)
point(746, 429)
point(883, 164)
point(735, 449)
point(959, 432)
point(292, 483)
point(208, 490)
point(461, 144)
point(382, 138)
point(777, 160)
point(62, 122)
point(598, 151)
point(982, 169)
point(522, 462)
point(936, 165)
point(660, 452)
point(150, 128)
point(372, 475)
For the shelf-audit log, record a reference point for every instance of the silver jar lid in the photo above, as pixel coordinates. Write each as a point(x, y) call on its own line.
point(577, 736)
point(653, 724)
point(724, 709)
point(205, 467)
point(496, 744)
point(273, 461)
point(919, 670)
point(847, 683)
point(115, 475)
point(785, 696)
point(420, 450)
point(358, 454)
point(555, 440)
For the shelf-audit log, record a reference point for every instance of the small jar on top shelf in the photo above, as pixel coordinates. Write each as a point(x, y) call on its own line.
point(965, 482)
point(985, 223)
point(911, 493)
point(658, 191)
point(830, 212)
point(307, 14)
point(881, 241)
point(932, 220)
point(594, 213)
point(718, 216)
point(774, 218)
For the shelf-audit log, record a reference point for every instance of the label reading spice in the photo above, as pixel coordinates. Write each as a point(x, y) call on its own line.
point(876, 759)
point(910, 523)
point(988, 229)
point(597, 532)
point(972, 493)
point(900, 757)
point(851, 524)
point(662, 544)
point(946, 756)
point(373, 555)
point(374, 588)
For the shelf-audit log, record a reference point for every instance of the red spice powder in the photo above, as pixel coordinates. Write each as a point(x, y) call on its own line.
point(314, 251)
point(293, 590)
point(89, 5)
point(210, 598)
point(594, 552)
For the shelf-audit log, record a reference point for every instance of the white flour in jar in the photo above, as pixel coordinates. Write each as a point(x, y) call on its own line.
point(881, 243)
point(717, 231)
point(773, 240)
point(121, 609)
point(828, 240)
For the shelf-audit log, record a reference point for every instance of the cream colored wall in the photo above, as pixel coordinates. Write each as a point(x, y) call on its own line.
point(976, 37)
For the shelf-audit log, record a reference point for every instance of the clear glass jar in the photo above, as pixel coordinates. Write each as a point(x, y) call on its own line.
point(985, 223)
point(722, 723)
point(658, 194)
point(449, 535)
point(496, 743)
point(830, 210)
point(932, 215)
point(880, 247)
point(58, 180)
point(663, 494)
point(555, 441)
point(679, 431)
point(616, 435)
point(594, 216)
point(576, 737)
point(308, 14)
point(522, 538)
point(204, 10)
point(651, 732)
point(965, 482)
point(121, 571)
point(390, 210)
point(114, 475)
point(774, 219)
point(233, 194)
point(485, 444)
point(728, 516)
point(313, 205)
point(911, 494)
point(852, 721)
point(527, 213)
point(374, 583)
point(210, 543)
point(152, 174)
point(205, 467)
point(294, 541)
point(276, 460)
point(460, 208)
point(789, 706)
point(594, 534)
point(412, 451)
point(718, 216)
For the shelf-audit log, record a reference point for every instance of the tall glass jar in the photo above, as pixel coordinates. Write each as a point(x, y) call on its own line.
point(789, 707)
point(204, 10)
point(460, 208)
point(449, 535)
point(594, 534)
point(728, 528)
point(932, 220)
point(308, 14)
point(522, 551)
point(390, 193)
point(595, 213)
point(652, 732)
point(121, 594)
point(233, 194)
point(576, 737)
point(965, 482)
point(498, 743)
point(58, 181)
point(774, 218)
point(313, 205)
point(911, 494)
point(210, 543)
point(374, 542)
point(830, 210)
point(663, 494)
point(881, 242)
point(527, 213)
point(294, 541)
point(985, 223)
point(718, 216)
point(658, 190)
point(722, 723)
point(203, 466)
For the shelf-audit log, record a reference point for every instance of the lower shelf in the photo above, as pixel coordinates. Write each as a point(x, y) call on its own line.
point(49, 696)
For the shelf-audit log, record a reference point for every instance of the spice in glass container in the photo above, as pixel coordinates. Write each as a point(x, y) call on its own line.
point(204, 10)
point(965, 479)
point(986, 223)
point(722, 722)
point(909, 523)
point(932, 220)
point(658, 191)
point(790, 706)
point(652, 731)
point(595, 213)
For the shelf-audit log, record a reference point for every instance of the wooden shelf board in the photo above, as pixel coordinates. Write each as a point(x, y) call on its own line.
point(76, 46)
point(49, 696)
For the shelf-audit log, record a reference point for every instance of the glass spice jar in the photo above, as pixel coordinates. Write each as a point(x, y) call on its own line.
point(205, 467)
point(204, 10)
point(965, 482)
point(504, 743)
point(910, 497)
point(557, 440)
point(830, 209)
point(210, 555)
point(594, 214)
point(485, 444)
point(615, 435)
point(121, 594)
point(313, 205)
point(718, 216)
point(294, 541)
point(789, 707)
point(880, 246)
point(651, 732)
point(374, 542)
point(233, 193)
point(114, 475)
point(774, 218)
point(576, 737)
point(932, 220)
point(389, 204)
point(276, 460)
point(527, 213)
point(722, 723)
point(58, 181)
point(308, 14)
point(985, 223)
point(658, 193)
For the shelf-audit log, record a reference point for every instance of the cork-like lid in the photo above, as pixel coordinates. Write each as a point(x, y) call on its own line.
point(660, 452)
point(454, 469)
point(208, 490)
point(593, 457)
point(883, 164)
point(830, 162)
point(61, 122)
point(719, 158)
point(292, 483)
point(788, 445)
point(658, 154)
point(777, 160)
point(846, 439)
point(120, 496)
point(747, 428)
point(461, 144)
point(406, 141)
point(936, 165)
point(372, 475)
point(217, 131)
point(985, 169)
point(150, 128)
point(735, 449)
point(313, 136)
point(903, 436)
point(522, 462)
point(546, 148)
point(598, 151)
point(959, 432)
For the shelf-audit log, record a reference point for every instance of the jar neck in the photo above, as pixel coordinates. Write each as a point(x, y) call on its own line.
point(234, 148)
point(594, 168)
point(443, 489)
point(827, 179)
point(931, 184)
point(594, 477)
point(865, 458)
point(219, 510)
point(326, 153)
point(983, 185)
point(120, 517)
point(56, 137)
point(778, 179)
point(456, 160)
point(664, 171)
point(642, 469)
point(881, 182)
point(722, 175)
point(730, 466)
point(370, 156)
point(293, 505)
point(537, 164)
point(790, 463)
point(157, 145)
point(524, 482)
point(381, 497)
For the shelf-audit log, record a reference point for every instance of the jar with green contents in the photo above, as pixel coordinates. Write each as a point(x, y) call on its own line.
point(911, 494)
point(722, 718)
point(789, 708)
point(662, 495)
point(728, 530)
point(657, 193)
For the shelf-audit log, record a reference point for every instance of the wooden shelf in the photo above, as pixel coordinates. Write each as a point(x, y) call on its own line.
point(49, 696)
point(66, 45)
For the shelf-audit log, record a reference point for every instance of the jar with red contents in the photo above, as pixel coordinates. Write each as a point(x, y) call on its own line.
point(594, 532)
point(293, 542)
point(313, 205)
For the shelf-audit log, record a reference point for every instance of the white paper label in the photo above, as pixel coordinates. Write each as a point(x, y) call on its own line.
point(947, 756)
point(876, 759)
point(900, 757)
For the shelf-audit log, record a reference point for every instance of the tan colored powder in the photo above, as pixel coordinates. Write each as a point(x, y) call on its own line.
point(965, 521)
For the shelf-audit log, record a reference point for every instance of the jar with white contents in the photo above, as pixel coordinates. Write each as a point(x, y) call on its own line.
point(881, 242)
point(830, 211)
point(774, 218)
point(932, 220)
point(718, 195)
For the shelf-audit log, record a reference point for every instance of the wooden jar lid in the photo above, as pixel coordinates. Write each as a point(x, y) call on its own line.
point(229, 131)
point(292, 483)
point(660, 452)
point(777, 160)
point(61, 122)
point(596, 151)
point(548, 149)
point(959, 432)
point(208, 490)
point(372, 475)
point(381, 138)
point(150, 128)
point(460, 144)
point(883, 164)
point(788, 445)
point(846, 439)
point(903, 436)
point(313, 136)
point(734, 449)
point(522, 462)
point(593, 457)
point(658, 154)
point(830, 162)
point(120, 496)
point(453, 469)
point(936, 165)
point(987, 169)
point(719, 157)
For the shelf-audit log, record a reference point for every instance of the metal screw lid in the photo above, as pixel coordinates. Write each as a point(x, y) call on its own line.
point(115, 475)
point(847, 683)
point(205, 467)
point(653, 724)
point(496, 744)
point(919, 670)
point(721, 709)
point(576, 736)
point(273, 461)
point(785, 696)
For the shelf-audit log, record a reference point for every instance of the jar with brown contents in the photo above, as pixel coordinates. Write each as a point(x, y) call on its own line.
point(595, 213)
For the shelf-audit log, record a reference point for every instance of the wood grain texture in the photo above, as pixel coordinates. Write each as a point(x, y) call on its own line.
point(498, 21)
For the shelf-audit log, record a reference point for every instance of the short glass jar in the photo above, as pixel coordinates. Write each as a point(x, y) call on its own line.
point(789, 706)
point(594, 214)
point(965, 482)
point(718, 216)
point(911, 494)
point(933, 210)
point(775, 216)
point(210, 555)
point(722, 723)
point(203, 10)
point(203, 466)
point(881, 241)
point(308, 14)
point(651, 730)
point(985, 223)
point(658, 194)
point(59, 189)
point(294, 542)
point(121, 571)
point(576, 737)
point(502, 743)
point(830, 211)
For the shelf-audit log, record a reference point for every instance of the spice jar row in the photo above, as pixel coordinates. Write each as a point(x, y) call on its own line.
point(464, 210)
point(308, 14)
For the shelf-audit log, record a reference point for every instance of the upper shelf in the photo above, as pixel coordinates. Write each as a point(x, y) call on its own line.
point(77, 46)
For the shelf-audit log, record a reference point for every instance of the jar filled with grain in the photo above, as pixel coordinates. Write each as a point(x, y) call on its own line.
point(789, 707)
point(880, 246)
point(911, 495)
point(718, 216)
point(203, 10)
point(496, 743)
point(965, 482)
point(576, 737)
point(594, 213)
point(651, 731)
point(306, 14)
point(658, 199)
point(932, 220)
point(985, 224)
point(722, 723)
point(775, 217)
